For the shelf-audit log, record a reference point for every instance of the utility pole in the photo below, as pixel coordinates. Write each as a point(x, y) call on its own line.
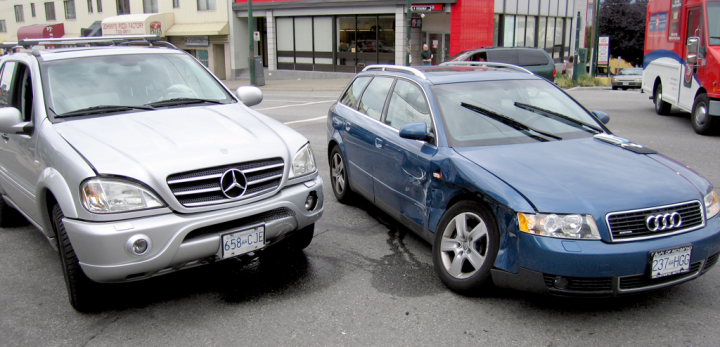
point(407, 45)
point(596, 27)
point(577, 47)
point(251, 56)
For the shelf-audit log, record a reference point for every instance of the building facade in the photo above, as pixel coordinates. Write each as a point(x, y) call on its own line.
point(347, 35)
point(197, 26)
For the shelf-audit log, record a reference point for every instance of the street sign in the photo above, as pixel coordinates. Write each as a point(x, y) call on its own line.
point(427, 7)
point(256, 36)
point(603, 50)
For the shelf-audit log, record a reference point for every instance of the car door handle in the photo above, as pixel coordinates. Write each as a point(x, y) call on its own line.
point(378, 142)
point(347, 126)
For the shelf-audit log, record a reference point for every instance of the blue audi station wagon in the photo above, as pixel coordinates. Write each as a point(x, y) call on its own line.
point(516, 184)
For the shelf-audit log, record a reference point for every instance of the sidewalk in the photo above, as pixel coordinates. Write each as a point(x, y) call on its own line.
point(296, 85)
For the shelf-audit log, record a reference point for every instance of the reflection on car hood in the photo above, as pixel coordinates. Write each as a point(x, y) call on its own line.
point(163, 142)
point(583, 176)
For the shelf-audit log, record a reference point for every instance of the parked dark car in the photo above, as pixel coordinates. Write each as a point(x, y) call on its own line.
point(534, 59)
point(514, 183)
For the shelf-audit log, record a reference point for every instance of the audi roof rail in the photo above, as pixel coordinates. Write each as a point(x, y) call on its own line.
point(486, 64)
point(150, 39)
point(400, 68)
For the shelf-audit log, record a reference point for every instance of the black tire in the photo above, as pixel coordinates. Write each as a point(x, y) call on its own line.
point(661, 107)
point(301, 239)
point(453, 252)
point(81, 290)
point(702, 122)
point(339, 177)
point(9, 216)
point(614, 88)
point(625, 88)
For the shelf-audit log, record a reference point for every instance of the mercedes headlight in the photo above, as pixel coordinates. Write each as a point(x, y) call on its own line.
point(109, 195)
point(303, 163)
point(565, 226)
point(712, 206)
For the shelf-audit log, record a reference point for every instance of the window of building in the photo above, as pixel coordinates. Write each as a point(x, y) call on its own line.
point(69, 9)
point(558, 47)
point(150, 6)
point(99, 6)
point(3, 28)
point(49, 11)
point(530, 31)
point(19, 15)
point(509, 32)
point(90, 6)
point(205, 5)
point(32, 9)
point(364, 40)
point(176, 3)
point(123, 7)
point(519, 31)
point(496, 30)
point(542, 26)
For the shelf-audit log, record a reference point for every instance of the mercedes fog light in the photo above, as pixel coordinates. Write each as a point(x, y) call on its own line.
point(311, 201)
point(138, 245)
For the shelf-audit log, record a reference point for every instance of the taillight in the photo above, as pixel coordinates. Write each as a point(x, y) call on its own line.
point(554, 72)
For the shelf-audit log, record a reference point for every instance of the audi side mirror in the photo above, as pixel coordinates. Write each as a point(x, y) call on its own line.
point(602, 116)
point(416, 131)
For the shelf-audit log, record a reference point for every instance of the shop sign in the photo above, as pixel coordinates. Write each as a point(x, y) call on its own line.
point(603, 48)
point(427, 7)
point(156, 28)
point(128, 28)
point(203, 41)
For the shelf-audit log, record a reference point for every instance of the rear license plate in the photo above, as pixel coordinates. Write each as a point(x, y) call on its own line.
point(244, 241)
point(670, 261)
point(626, 83)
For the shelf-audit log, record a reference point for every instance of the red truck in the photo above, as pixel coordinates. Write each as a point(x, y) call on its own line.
point(681, 64)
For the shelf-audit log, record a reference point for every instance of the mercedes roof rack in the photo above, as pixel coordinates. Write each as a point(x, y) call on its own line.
point(115, 40)
point(400, 68)
point(486, 64)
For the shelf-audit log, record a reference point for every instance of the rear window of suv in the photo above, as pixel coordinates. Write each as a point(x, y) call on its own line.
point(533, 58)
point(507, 56)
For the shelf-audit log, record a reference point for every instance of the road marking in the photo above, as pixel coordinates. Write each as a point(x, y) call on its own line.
point(305, 104)
point(306, 120)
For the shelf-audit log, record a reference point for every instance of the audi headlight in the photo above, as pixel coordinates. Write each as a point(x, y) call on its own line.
point(712, 206)
point(565, 226)
point(303, 163)
point(109, 195)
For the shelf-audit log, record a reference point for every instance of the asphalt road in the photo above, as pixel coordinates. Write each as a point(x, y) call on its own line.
point(365, 279)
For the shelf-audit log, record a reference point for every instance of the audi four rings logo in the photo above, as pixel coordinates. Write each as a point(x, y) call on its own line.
point(663, 221)
point(233, 183)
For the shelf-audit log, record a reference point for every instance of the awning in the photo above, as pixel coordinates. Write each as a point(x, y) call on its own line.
point(202, 29)
point(40, 31)
point(138, 24)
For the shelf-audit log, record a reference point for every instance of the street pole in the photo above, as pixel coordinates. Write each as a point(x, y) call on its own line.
point(407, 45)
point(596, 26)
point(577, 47)
point(251, 56)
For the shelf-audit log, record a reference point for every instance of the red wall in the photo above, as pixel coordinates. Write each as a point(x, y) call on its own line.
point(471, 25)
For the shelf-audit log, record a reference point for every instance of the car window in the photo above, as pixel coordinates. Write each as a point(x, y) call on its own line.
point(631, 72)
point(373, 99)
point(532, 57)
point(351, 94)
point(8, 72)
point(127, 80)
point(407, 105)
point(507, 56)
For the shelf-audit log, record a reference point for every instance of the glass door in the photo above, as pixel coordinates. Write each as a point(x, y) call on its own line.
point(439, 46)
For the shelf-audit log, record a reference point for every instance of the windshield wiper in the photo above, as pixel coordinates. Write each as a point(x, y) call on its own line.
point(525, 129)
point(103, 109)
point(181, 101)
point(560, 118)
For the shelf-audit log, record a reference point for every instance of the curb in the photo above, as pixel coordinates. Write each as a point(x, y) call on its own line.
point(589, 88)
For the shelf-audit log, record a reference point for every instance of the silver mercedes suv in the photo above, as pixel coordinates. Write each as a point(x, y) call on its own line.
point(135, 161)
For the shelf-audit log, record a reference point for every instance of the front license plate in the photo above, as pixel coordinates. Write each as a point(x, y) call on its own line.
point(670, 261)
point(626, 83)
point(241, 242)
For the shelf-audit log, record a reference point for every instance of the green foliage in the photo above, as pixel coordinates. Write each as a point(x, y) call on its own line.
point(564, 81)
point(624, 22)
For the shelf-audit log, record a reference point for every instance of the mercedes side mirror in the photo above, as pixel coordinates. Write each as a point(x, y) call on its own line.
point(249, 95)
point(416, 131)
point(693, 44)
point(11, 121)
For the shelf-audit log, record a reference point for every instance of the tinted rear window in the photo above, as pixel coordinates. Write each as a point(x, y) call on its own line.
point(533, 58)
point(507, 56)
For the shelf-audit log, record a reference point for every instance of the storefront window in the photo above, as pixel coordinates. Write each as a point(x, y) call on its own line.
point(568, 31)
point(202, 55)
point(559, 24)
point(386, 40)
point(550, 35)
point(496, 30)
point(530, 32)
point(509, 32)
point(303, 41)
point(322, 33)
point(285, 37)
point(542, 23)
point(519, 31)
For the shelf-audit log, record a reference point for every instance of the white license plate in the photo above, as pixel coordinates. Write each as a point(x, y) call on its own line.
point(241, 242)
point(670, 261)
point(626, 83)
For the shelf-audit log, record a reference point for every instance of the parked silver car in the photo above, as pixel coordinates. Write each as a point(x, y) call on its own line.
point(627, 78)
point(135, 161)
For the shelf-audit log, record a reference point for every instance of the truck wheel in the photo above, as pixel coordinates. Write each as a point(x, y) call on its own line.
point(702, 122)
point(661, 107)
point(80, 289)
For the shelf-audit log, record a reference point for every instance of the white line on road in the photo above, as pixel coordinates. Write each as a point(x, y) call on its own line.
point(309, 103)
point(306, 120)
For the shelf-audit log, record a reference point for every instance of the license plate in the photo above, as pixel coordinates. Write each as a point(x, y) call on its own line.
point(626, 83)
point(670, 261)
point(244, 241)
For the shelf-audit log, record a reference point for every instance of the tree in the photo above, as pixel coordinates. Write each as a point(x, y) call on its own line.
point(624, 22)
